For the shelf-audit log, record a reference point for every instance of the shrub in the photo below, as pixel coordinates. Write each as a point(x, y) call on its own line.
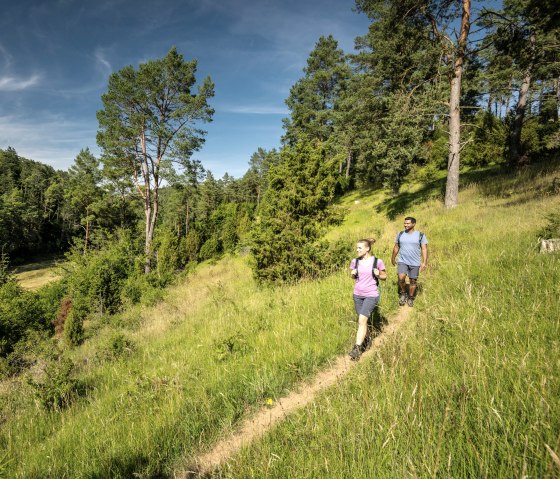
point(552, 228)
point(74, 327)
point(96, 279)
point(20, 311)
point(168, 257)
point(210, 249)
point(50, 297)
point(115, 347)
point(295, 210)
point(57, 389)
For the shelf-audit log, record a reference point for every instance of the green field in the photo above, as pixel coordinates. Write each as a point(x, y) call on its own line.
point(468, 387)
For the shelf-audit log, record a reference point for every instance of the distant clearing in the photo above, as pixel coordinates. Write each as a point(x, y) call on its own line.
point(34, 275)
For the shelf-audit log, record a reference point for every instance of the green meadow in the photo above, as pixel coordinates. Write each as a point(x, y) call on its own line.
point(468, 387)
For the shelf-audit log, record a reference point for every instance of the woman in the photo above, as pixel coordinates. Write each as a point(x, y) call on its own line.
point(366, 274)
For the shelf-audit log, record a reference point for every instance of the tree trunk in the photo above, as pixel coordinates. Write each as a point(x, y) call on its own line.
point(187, 219)
point(86, 229)
point(452, 186)
point(515, 139)
point(348, 163)
point(148, 240)
point(453, 162)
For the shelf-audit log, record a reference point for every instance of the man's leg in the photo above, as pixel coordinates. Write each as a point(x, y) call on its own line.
point(402, 288)
point(412, 288)
point(413, 273)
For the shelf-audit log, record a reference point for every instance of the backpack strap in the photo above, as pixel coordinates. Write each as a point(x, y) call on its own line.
point(400, 234)
point(374, 267)
point(357, 260)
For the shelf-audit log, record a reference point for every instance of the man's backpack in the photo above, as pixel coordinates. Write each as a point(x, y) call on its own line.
point(357, 260)
point(399, 238)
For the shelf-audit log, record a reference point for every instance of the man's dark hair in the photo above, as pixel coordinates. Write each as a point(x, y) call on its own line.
point(411, 219)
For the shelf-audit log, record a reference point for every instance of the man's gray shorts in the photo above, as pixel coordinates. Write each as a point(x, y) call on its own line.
point(411, 271)
point(365, 304)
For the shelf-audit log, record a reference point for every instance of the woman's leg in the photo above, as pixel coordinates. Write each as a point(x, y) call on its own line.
point(362, 329)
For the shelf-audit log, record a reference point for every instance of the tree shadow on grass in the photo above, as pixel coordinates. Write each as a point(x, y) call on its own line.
point(402, 203)
point(377, 322)
point(397, 205)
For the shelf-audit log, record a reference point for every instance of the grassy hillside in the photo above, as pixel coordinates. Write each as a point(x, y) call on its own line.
point(468, 389)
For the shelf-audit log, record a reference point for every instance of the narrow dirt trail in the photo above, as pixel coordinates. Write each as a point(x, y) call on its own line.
point(258, 425)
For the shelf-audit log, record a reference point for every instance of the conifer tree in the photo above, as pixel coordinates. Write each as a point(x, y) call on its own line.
point(149, 119)
point(313, 99)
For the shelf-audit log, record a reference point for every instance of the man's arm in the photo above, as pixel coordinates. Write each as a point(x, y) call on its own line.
point(394, 255)
point(424, 257)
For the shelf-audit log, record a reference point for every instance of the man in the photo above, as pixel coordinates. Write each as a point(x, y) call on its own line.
point(412, 248)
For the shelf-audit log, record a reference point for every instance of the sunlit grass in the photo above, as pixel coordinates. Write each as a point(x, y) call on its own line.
point(35, 275)
point(467, 388)
point(470, 386)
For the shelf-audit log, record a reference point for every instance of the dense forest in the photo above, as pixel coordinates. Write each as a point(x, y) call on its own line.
point(432, 86)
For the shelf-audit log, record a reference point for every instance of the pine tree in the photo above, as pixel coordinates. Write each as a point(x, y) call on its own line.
point(149, 119)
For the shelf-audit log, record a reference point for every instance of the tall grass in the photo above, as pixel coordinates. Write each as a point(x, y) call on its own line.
point(470, 387)
point(216, 349)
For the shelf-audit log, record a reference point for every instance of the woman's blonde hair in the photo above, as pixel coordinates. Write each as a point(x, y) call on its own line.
point(369, 241)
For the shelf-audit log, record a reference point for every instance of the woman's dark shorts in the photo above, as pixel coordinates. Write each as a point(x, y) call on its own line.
point(365, 305)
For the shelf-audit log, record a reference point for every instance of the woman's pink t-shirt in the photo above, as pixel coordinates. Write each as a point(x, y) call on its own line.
point(365, 285)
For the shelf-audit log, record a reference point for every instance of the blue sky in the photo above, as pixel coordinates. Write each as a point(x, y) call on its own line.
point(56, 57)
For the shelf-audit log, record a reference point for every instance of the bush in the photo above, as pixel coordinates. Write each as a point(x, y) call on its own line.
point(210, 249)
point(168, 257)
point(295, 210)
point(58, 389)
point(96, 279)
point(552, 228)
point(115, 347)
point(50, 297)
point(189, 247)
point(20, 312)
point(74, 327)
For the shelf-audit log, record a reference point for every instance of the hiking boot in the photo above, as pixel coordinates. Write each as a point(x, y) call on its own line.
point(402, 299)
point(410, 302)
point(355, 353)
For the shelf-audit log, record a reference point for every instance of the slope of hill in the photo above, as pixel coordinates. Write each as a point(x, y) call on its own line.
point(468, 388)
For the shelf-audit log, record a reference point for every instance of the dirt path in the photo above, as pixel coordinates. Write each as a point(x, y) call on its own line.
point(258, 425)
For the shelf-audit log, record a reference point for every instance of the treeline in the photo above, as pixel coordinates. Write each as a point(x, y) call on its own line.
point(419, 94)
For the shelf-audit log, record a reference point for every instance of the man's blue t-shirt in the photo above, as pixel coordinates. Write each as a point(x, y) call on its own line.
point(409, 252)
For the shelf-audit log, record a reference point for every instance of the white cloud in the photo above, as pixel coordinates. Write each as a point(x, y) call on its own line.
point(100, 57)
point(11, 83)
point(256, 110)
point(51, 139)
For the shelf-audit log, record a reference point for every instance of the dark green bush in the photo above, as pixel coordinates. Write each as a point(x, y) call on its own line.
point(20, 312)
point(74, 326)
point(552, 227)
point(50, 296)
point(210, 249)
point(189, 247)
point(96, 279)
